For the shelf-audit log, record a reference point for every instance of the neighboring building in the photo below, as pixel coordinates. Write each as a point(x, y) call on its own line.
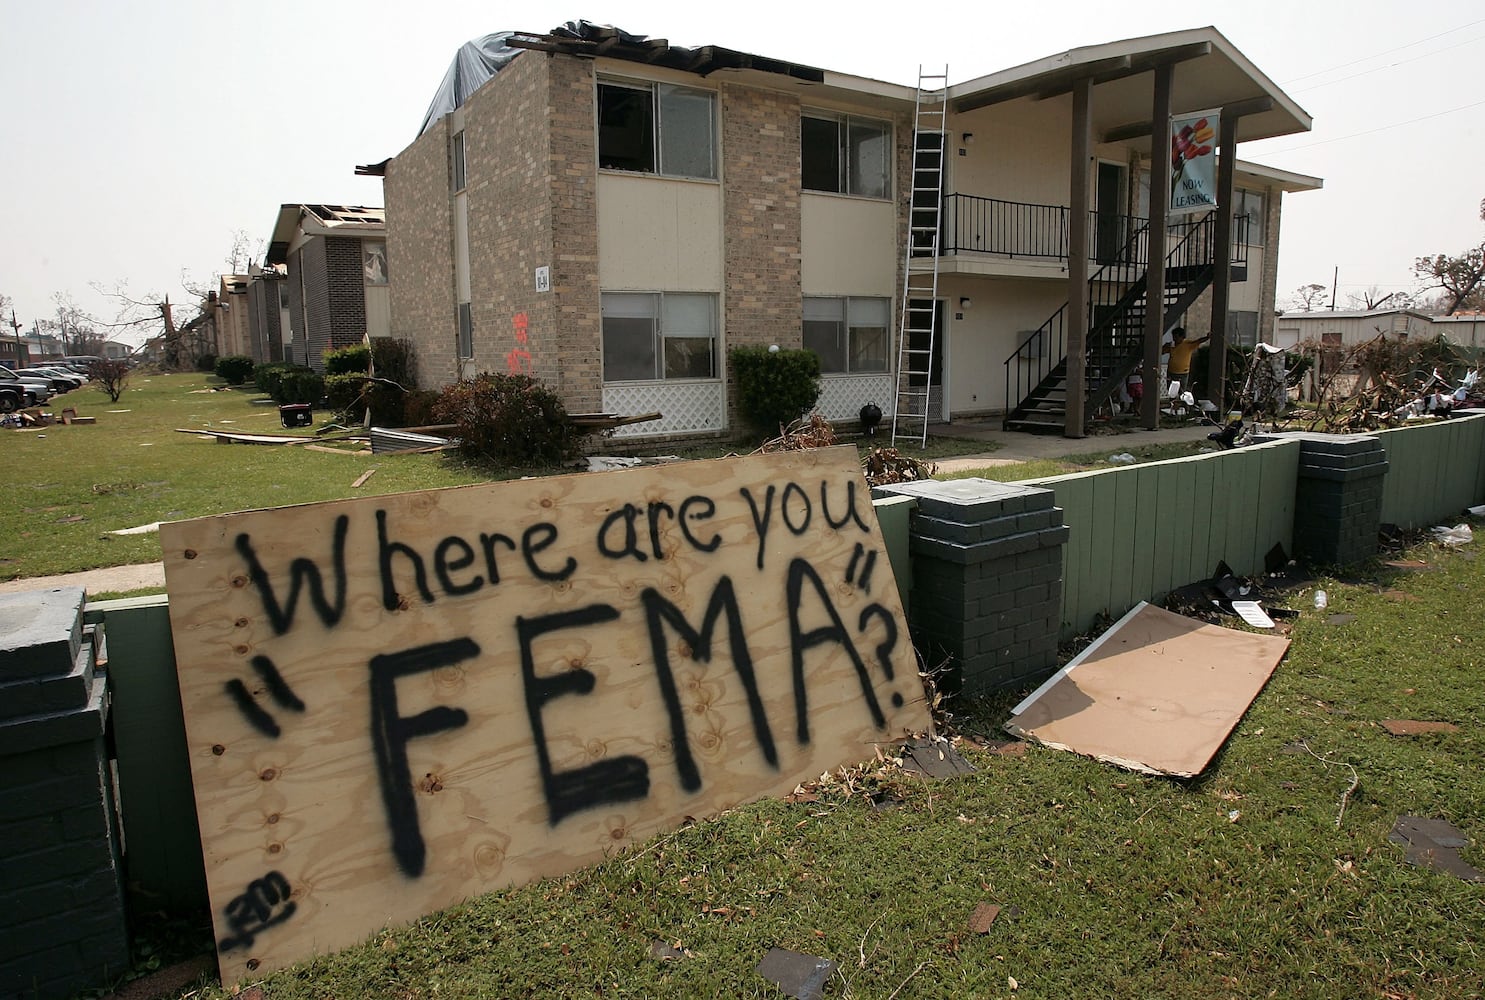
point(335, 260)
point(612, 214)
point(1349, 329)
point(234, 335)
point(116, 350)
point(269, 325)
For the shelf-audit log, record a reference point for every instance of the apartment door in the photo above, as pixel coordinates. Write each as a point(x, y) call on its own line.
point(937, 397)
point(1108, 219)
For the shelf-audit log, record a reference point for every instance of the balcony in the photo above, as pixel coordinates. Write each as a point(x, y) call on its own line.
point(992, 236)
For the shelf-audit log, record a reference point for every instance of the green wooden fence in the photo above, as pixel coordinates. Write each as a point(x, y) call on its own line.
point(1434, 471)
point(1140, 532)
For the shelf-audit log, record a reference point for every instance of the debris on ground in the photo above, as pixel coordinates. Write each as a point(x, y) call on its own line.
point(1460, 534)
point(802, 976)
point(605, 463)
point(883, 466)
point(1158, 693)
point(1434, 843)
point(1123, 458)
point(664, 951)
point(1415, 727)
point(933, 757)
point(983, 916)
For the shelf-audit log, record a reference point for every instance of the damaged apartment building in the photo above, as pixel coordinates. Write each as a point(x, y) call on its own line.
point(612, 214)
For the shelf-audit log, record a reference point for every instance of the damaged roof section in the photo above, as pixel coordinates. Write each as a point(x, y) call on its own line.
point(481, 58)
point(299, 220)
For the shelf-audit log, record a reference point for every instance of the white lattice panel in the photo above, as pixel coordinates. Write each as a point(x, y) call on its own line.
point(843, 396)
point(685, 407)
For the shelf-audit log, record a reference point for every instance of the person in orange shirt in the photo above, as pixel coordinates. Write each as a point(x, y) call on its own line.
point(1180, 350)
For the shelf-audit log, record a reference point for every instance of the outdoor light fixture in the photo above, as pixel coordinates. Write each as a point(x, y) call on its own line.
point(968, 138)
point(965, 303)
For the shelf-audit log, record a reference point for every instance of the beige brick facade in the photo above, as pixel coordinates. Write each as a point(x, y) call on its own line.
point(420, 253)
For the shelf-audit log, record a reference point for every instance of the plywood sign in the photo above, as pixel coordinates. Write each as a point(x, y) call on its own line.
point(395, 703)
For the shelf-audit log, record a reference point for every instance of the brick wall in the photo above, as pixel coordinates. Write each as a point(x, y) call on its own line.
point(345, 291)
point(761, 222)
point(420, 245)
point(1268, 290)
point(263, 315)
point(295, 349)
point(316, 275)
point(573, 176)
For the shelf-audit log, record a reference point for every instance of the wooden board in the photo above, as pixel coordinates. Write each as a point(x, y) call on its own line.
point(1158, 693)
point(394, 703)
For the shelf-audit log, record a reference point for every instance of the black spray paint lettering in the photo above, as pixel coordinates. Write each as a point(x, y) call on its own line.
point(870, 563)
point(278, 690)
point(302, 572)
point(660, 612)
point(796, 511)
point(454, 555)
point(619, 535)
point(618, 779)
point(265, 903)
point(801, 642)
point(391, 731)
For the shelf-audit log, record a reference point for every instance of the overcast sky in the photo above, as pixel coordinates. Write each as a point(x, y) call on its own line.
point(137, 138)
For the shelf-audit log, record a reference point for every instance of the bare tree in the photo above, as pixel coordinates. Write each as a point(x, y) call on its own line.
point(1308, 298)
point(1373, 297)
point(152, 314)
point(1461, 277)
point(244, 251)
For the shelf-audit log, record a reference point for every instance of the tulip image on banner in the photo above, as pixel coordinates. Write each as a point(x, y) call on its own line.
point(1193, 163)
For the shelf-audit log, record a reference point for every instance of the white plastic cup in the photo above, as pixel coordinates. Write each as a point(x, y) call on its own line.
point(1321, 600)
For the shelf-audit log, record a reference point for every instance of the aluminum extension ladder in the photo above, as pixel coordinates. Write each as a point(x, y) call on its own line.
point(916, 325)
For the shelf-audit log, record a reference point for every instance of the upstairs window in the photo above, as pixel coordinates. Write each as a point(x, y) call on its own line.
point(457, 156)
point(374, 262)
point(657, 129)
point(850, 335)
point(654, 335)
point(1249, 205)
point(844, 154)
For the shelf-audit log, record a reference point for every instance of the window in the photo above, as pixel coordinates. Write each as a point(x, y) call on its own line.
point(1249, 205)
point(657, 129)
point(374, 262)
point(465, 319)
point(849, 335)
point(458, 157)
point(658, 335)
point(845, 155)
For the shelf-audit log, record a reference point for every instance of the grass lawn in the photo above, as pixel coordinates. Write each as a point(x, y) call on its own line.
point(1238, 884)
point(72, 486)
point(1083, 462)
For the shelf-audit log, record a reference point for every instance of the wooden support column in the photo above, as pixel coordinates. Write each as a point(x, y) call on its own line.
point(1077, 258)
point(1155, 276)
point(1222, 260)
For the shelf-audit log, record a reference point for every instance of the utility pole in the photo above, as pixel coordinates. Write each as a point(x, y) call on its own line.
point(1334, 278)
point(15, 327)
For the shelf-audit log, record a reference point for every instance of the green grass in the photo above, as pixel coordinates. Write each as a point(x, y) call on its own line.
point(1123, 885)
point(75, 485)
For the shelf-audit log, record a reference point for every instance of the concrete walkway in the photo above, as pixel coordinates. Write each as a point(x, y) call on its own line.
point(1002, 448)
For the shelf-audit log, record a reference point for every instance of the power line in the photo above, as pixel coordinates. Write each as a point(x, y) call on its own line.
point(1371, 131)
point(1385, 52)
point(1394, 65)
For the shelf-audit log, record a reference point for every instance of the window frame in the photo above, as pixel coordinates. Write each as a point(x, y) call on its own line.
point(660, 353)
point(848, 327)
point(458, 175)
point(1258, 222)
point(847, 182)
point(656, 140)
point(371, 249)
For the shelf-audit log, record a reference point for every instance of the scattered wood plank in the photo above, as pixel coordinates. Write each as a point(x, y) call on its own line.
point(361, 479)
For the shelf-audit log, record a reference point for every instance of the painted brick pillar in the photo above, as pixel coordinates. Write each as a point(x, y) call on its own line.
point(62, 926)
point(987, 580)
point(1338, 497)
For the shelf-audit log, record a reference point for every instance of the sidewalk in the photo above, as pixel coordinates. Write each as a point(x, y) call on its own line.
point(1008, 447)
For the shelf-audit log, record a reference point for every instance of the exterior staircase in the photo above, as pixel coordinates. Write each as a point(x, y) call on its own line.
point(1118, 299)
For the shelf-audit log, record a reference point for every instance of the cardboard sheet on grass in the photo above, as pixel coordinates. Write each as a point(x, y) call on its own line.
point(395, 703)
point(1157, 693)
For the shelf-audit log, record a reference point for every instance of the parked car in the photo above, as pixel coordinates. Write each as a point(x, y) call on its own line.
point(22, 391)
point(61, 371)
point(80, 363)
point(58, 383)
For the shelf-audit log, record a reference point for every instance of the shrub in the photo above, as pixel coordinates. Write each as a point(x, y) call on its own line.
point(353, 395)
point(351, 360)
point(510, 419)
point(300, 385)
point(112, 376)
point(417, 408)
point(206, 363)
point(775, 388)
point(394, 359)
point(266, 375)
point(234, 369)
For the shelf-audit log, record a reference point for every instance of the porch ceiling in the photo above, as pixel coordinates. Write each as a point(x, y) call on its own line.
point(1209, 73)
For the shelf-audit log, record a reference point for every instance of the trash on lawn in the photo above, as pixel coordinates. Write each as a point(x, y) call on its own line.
point(361, 479)
point(935, 758)
point(143, 529)
point(802, 976)
point(603, 463)
point(1434, 843)
point(983, 916)
point(664, 951)
point(1276, 560)
point(1250, 612)
point(1157, 693)
point(1407, 564)
point(1415, 727)
point(1476, 511)
point(1460, 534)
point(1123, 458)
